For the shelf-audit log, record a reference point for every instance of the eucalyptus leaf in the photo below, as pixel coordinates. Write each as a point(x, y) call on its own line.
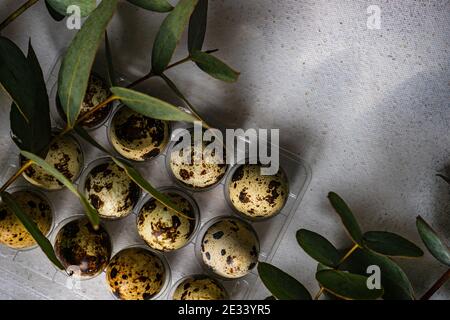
point(214, 67)
point(393, 279)
point(391, 244)
point(145, 185)
point(60, 6)
point(197, 26)
point(153, 5)
point(77, 63)
point(446, 179)
point(433, 242)
point(347, 217)
point(87, 137)
point(53, 13)
point(109, 62)
point(318, 248)
point(150, 106)
point(169, 34)
point(32, 228)
point(22, 79)
point(280, 284)
point(347, 285)
point(91, 213)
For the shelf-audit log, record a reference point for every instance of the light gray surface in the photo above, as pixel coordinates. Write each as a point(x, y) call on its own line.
point(368, 109)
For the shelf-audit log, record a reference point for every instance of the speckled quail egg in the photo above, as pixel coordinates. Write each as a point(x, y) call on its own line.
point(97, 91)
point(65, 155)
point(230, 248)
point(257, 196)
point(83, 251)
point(137, 137)
point(110, 191)
point(136, 274)
point(200, 170)
point(200, 287)
point(12, 232)
point(162, 228)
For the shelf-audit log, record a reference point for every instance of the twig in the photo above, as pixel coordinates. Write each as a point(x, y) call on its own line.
point(439, 283)
point(345, 257)
point(17, 13)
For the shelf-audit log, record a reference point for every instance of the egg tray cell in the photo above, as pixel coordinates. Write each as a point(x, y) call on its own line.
point(37, 274)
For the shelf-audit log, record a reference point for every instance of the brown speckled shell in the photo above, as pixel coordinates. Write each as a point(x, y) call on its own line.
point(230, 248)
point(200, 288)
point(161, 228)
point(199, 174)
point(135, 274)
point(66, 156)
point(257, 196)
point(12, 232)
point(82, 249)
point(137, 137)
point(110, 191)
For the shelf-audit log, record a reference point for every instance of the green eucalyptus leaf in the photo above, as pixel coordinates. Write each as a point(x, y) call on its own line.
point(109, 62)
point(446, 179)
point(23, 81)
point(347, 217)
point(169, 34)
point(280, 284)
point(347, 285)
point(145, 185)
point(32, 228)
point(60, 6)
point(197, 26)
point(318, 248)
point(34, 134)
point(153, 5)
point(393, 279)
point(91, 213)
point(433, 242)
point(53, 13)
point(77, 63)
point(87, 137)
point(150, 106)
point(214, 67)
point(391, 244)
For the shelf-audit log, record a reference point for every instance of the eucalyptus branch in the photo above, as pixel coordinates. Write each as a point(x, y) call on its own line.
point(17, 13)
point(439, 283)
point(345, 257)
point(182, 97)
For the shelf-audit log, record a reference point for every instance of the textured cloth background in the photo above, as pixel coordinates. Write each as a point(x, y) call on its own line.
point(368, 109)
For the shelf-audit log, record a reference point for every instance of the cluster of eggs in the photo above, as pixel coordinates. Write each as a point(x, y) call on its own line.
point(228, 246)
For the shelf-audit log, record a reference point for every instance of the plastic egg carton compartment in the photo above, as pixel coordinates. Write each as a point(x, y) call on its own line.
point(41, 280)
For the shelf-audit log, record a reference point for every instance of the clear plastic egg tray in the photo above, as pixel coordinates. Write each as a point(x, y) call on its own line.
point(39, 279)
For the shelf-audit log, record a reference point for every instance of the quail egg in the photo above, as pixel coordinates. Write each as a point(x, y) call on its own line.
point(64, 155)
point(200, 287)
point(136, 274)
point(257, 196)
point(162, 228)
point(230, 248)
point(199, 170)
point(111, 191)
point(97, 91)
point(12, 232)
point(137, 137)
point(83, 251)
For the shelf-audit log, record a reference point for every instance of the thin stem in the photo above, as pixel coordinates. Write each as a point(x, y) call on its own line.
point(96, 108)
point(439, 283)
point(16, 175)
point(345, 257)
point(182, 97)
point(138, 81)
point(17, 13)
point(319, 293)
